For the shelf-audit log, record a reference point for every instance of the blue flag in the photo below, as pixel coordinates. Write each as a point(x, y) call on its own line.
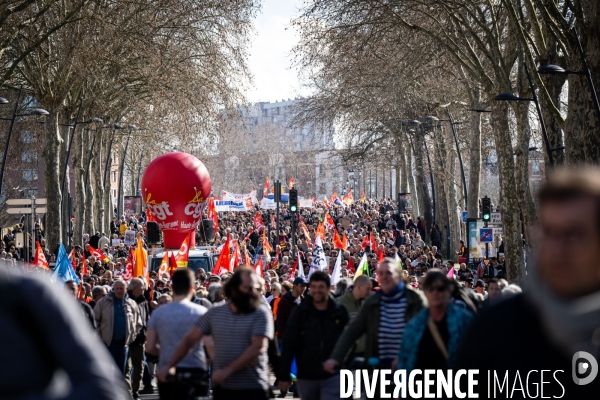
point(63, 271)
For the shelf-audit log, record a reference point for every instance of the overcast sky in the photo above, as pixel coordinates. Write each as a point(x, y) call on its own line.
point(269, 61)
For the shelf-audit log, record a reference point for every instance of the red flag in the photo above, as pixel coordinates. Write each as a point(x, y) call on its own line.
point(184, 253)
point(80, 291)
point(380, 256)
point(84, 270)
point(237, 256)
point(365, 242)
point(373, 243)
point(362, 195)
point(172, 264)
point(348, 199)
point(164, 265)
point(292, 182)
point(345, 242)
point(320, 231)
point(149, 216)
point(258, 267)
point(212, 213)
point(266, 188)
point(273, 223)
point(40, 259)
point(73, 259)
point(97, 253)
point(329, 224)
point(334, 196)
point(350, 266)
point(128, 274)
point(247, 258)
point(304, 229)
point(337, 242)
point(258, 222)
point(248, 235)
point(224, 261)
point(266, 244)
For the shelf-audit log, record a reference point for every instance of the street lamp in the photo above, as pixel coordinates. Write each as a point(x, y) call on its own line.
point(512, 97)
point(555, 69)
point(34, 111)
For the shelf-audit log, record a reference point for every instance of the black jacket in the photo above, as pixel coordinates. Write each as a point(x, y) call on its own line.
point(145, 314)
point(310, 336)
point(514, 328)
point(287, 304)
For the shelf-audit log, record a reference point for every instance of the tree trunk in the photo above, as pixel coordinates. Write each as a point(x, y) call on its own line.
point(98, 171)
point(412, 186)
point(455, 231)
point(513, 245)
point(474, 155)
point(78, 175)
point(442, 179)
point(521, 110)
point(89, 186)
point(53, 222)
point(422, 190)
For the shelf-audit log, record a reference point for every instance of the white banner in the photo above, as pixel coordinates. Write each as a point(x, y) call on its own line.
point(267, 204)
point(239, 197)
point(305, 203)
point(230, 205)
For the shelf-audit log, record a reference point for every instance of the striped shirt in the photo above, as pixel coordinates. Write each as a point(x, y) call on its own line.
point(392, 321)
point(232, 334)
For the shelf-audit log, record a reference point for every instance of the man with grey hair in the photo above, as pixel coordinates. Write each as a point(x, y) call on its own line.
point(215, 294)
point(118, 323)
point(98, 292)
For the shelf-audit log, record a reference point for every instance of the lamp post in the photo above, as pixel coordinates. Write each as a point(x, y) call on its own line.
point(460, 161)
point(121, 168)
point(34, 111)
point(512, 97)
point(555, 69)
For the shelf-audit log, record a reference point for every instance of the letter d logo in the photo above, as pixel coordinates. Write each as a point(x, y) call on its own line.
point(580, 367)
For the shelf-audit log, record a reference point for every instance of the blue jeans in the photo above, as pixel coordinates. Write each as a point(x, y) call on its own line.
point(118, 350)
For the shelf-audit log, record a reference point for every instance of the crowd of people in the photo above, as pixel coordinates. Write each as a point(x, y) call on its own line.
point(198, 333)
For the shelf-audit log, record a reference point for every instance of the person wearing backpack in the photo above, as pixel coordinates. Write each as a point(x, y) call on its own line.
point(311, 334)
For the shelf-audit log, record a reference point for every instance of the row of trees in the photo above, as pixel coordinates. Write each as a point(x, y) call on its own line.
point(375, 66)
point(165, 66)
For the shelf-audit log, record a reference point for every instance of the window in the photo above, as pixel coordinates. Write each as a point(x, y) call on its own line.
point(114, 193)
point(28, 156)
point(113, 176)
point(27, 137)
point(27, 193)
point(535, 168)
point(29, 174)
point(322, 188)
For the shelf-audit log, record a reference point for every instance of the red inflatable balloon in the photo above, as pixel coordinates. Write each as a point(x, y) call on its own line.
point(175, 188)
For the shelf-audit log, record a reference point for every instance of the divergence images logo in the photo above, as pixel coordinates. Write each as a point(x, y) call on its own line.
point(581, 364)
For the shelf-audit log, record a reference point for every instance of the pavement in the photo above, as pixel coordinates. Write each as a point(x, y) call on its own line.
point(155, 396)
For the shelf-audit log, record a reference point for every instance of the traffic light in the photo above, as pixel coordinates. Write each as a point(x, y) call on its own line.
point(486, 208)
point(293, 200)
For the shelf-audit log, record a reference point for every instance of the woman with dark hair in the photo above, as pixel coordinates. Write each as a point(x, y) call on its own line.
point(431, 338)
